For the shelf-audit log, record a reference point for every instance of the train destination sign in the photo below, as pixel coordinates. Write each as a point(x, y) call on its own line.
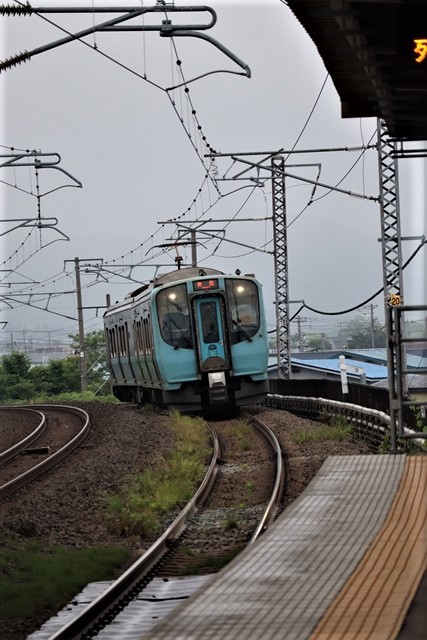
point(205, 285)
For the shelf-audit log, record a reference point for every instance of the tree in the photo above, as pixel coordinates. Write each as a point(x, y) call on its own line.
point(14, 377)
point(96, 357)
point(359, 332)
point(54, 378)
point(318, 343)
point(17, 364)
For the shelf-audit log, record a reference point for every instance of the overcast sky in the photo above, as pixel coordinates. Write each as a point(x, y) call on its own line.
point(124, 140)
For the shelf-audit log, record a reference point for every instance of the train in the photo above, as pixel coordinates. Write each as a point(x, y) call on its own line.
point(192, 339)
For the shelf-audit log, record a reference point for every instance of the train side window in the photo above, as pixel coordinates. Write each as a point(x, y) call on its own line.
point(139, 341)
point(126, 339)
point(114, 342)
point(119, 340)
point(136, 338)
point(147, 336)
point(122, 340)
point(110, 344)
point(243, 309)
point(174, 316)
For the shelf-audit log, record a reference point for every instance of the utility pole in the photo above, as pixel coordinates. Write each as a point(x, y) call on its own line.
point(372, 326)
point(82, 346)
point(193, 248)
point(300, 336)
point(371, 308)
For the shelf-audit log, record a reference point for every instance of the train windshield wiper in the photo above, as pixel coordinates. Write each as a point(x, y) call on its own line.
point(242, 331)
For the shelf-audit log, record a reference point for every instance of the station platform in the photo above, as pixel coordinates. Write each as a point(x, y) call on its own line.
point(345, 560)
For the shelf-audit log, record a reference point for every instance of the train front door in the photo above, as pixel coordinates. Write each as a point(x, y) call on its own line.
point(211, 343)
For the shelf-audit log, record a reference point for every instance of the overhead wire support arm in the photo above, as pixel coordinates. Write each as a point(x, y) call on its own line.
point(15, 157)
point(275, 171)
point(166, 29)
point(13, 298)
point(32, 160)
point(39, 223)
point(214, 234)
point(217, 44)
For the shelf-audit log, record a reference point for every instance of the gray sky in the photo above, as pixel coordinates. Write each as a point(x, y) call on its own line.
point(120, 136)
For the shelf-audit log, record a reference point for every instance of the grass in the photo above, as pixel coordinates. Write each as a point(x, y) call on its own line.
point(71, 396)
point(338, 432)
point(35, 578)
point(242, 431)
point(147, 496)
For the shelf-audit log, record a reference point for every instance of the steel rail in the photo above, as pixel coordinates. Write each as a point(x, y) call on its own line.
point(117, 592)
point(55, 458)
point(279, 482)
point(7, 455)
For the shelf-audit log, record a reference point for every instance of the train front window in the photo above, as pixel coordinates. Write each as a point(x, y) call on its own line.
point(243, 309)
point(174, 319)
point(209, 319)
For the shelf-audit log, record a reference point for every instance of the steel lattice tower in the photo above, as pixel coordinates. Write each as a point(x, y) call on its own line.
point(390, 218)
point(281, 266)
point(392, 267)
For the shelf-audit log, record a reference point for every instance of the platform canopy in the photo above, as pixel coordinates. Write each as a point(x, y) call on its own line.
point(376, 54)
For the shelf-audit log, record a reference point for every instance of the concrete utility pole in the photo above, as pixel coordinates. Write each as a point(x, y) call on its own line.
point(301, 320)
point(371, 308)
point(82, 346)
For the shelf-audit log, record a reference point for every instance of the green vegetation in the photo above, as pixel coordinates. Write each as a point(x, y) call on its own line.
point(242, 431)
point(405, 446)
point(337, 431)
point(21, 382)
point(361, 333)
point(35, 578)
point(149, 495)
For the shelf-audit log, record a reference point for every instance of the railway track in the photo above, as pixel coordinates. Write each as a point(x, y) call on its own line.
point(185, 541)
point(58, 430)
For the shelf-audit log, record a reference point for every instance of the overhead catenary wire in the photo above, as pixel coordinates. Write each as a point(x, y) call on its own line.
point(365, 302)
point(207, 166)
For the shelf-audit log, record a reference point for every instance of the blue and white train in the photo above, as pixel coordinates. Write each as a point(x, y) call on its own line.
point(193, 339)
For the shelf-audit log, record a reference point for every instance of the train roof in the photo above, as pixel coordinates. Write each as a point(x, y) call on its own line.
point(185, 274)
point(173, 276)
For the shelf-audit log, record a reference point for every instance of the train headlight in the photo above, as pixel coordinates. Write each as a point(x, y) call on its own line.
point(217, 379)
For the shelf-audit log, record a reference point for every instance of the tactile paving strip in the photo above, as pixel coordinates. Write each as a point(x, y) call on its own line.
point(375, 600)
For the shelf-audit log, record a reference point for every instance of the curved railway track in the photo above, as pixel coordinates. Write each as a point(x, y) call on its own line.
point(60, 429)
point(106, 605)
